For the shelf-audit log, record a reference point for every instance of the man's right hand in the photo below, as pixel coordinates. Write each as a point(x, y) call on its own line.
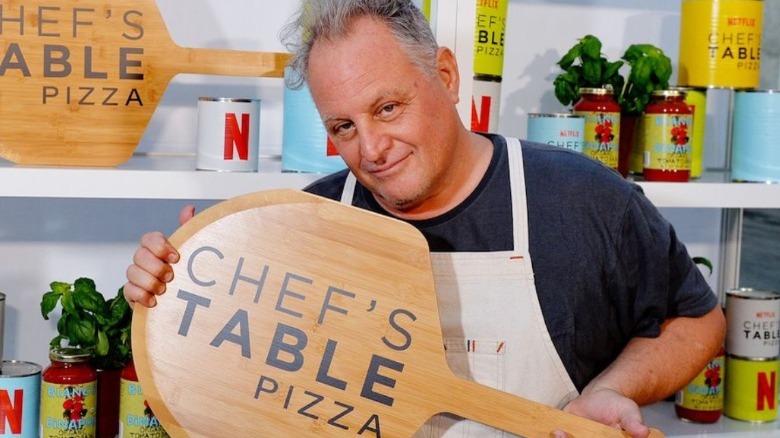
point(151, 270)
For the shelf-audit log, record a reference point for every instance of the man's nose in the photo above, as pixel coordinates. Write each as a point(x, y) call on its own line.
point(374, 144)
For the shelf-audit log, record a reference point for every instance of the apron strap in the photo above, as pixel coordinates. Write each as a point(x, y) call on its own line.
point(519, 201)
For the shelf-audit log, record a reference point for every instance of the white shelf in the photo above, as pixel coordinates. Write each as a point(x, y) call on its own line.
point(662, 417)
point(166, 177)
point(145, 177)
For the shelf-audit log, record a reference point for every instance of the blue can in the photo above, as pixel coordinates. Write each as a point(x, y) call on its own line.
point(305, 144)
point(558, 129)
point(20, 398)
point(755, 154)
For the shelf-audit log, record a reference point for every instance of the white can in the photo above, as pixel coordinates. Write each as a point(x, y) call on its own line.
point(752, 323)
point(228, 134)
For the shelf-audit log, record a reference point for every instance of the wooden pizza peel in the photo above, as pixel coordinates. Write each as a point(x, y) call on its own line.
point(293, 315)
point(80, 80)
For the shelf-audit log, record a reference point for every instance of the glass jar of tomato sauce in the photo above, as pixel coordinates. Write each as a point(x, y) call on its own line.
point(69, 394)
point(701, 401)
point(667, 125)
point(602, 124)
point(135, 416)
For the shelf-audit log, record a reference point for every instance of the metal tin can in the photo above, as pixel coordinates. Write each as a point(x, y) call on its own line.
point(2, 323)
point(602, 124)
point(562, 130)
point(666, 138)
point(720, 43)
point(752, 323)
point(485, 100)
point(751, 389)
point(69, 394)
point(305, 143)
point(489, 34)
point(755, 155)
point(20, 392)
point(696, 98)
point(228, 134)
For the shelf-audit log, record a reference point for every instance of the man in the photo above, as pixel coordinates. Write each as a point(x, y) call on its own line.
point(557, 280)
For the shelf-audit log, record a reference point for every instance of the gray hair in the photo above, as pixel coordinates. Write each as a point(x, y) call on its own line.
point(332, 19)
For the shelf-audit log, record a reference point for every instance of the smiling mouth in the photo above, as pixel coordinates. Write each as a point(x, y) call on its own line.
point(386, 169)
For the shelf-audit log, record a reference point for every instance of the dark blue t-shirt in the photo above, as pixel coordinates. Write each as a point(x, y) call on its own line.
point(607, 265)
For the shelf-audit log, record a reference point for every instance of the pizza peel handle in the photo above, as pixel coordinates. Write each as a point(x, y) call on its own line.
point(293, 315)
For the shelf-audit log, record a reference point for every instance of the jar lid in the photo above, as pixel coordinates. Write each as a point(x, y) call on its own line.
point(599, 91)
point(669, 93)
point(70, 354)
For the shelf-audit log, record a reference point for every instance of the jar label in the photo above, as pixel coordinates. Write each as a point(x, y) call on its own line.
point(602, 136)
point(136, 418)
point(667, 141)
point(68, 410)
point(705, 392)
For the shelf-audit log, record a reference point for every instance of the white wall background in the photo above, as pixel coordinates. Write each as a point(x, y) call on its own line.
point(43, 240)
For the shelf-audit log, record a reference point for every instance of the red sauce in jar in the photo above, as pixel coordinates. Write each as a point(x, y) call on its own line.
point(601, 139)
point(701, 401)
point(69, 394)
point(667, 125)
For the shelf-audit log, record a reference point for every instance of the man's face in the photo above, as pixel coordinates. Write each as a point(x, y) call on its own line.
point(395, 127)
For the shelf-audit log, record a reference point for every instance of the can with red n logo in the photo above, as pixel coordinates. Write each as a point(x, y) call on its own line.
point(228, 134)
point(20, 398)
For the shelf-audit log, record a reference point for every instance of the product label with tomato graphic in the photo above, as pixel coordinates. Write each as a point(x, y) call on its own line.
point(136, 419)
point(667, 140)
point(68, 410)
point(602, 136)
point(705, 392)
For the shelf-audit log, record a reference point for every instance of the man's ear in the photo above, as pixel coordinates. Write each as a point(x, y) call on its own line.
point(447, 68)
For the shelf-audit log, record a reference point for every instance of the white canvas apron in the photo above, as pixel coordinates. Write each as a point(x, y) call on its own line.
point(493, 327)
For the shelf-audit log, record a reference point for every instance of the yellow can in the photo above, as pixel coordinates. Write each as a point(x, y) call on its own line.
point(720, 43)
point(489, 37)
point(751, 389)
point(696, 98)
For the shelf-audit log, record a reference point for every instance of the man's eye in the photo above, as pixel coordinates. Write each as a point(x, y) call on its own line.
point(342, 127)
point(388, 108)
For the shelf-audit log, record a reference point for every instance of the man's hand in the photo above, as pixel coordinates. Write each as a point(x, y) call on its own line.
point(151, 269)
point(611, 408)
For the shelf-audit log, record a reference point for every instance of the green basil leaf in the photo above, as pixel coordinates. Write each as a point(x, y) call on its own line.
point(49, 303)
point(592, 72)
point(85, 285)
point(88, 300)
point(591, 47)
point(119, 309)
point(84, 331)
point(102, 344)
point(68, 306)
point(570, 56)
point(59, 287)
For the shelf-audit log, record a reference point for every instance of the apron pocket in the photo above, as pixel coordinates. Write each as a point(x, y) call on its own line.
point(482, 361)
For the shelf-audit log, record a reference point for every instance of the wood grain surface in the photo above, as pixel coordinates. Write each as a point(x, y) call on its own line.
point(293, 315)
point(80, 80)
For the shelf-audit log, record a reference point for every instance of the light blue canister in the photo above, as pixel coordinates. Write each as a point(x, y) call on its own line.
point(305, 145)
point(562, 130)
point(755, 141)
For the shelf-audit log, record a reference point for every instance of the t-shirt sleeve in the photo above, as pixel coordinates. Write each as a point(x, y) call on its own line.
point(659, 279)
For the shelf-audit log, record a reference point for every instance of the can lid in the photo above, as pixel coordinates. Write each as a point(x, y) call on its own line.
point(227, 99)
point(753, 294)
point(70, 354)
point(556, 115)
point(669, 93)
point(18, 368)
point(598, 91)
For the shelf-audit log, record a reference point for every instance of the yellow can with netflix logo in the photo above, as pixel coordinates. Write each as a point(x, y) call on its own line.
point(751, 389)
point(720, 43)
